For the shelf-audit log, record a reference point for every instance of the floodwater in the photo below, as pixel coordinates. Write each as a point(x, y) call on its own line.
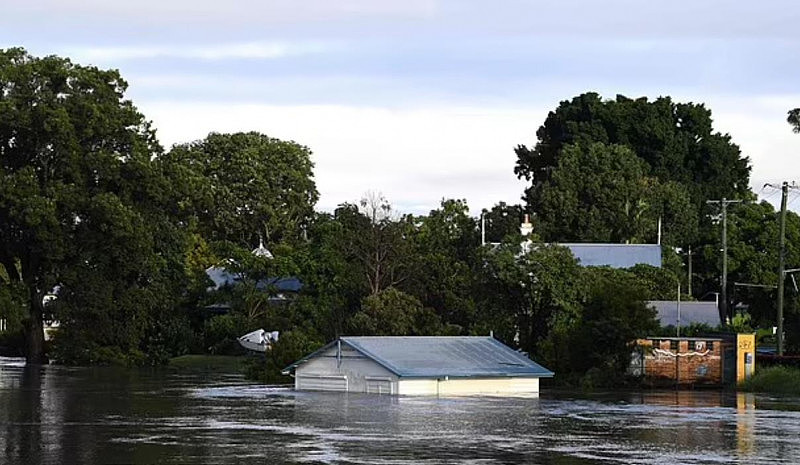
point(60, 415)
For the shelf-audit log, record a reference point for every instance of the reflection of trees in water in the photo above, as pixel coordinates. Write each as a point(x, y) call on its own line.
point(421, 429)
point(699, 421)
point(59, 415)
point(21, 411)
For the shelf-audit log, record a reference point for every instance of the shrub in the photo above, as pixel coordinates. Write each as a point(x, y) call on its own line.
point(776, 380)
point(291, 346)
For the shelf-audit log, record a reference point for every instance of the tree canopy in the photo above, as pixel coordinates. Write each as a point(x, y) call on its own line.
point(601, 193)
point(75, 169)
point(244, 187)
point(675, 140)
point(119, 235)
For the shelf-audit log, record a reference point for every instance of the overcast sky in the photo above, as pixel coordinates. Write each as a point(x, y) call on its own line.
point(426, 99)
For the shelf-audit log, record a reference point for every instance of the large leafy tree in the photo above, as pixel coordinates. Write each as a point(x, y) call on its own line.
point(392, 312)
point(501, 221)
point(374, 237)
point(753, 231)
point(245, 186)
point(601, 193)
point(528, 297)
point(79, 194)
point(614, 315)
point(445, 245)
point(675, 140)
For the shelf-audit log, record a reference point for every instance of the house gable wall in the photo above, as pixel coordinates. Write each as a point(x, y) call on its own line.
point(328, 372)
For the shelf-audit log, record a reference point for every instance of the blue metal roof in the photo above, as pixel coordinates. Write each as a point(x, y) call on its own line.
point(222, 277)
point(437, 356)
point(690, 312)
point(616, 255)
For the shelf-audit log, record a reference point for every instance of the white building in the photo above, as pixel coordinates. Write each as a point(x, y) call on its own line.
point(419, 365)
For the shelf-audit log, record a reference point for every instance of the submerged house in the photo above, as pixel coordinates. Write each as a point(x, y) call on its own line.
point(418, 365)
point(718, 360)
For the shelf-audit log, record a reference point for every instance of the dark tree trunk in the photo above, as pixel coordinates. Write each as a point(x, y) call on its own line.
point(35, 354)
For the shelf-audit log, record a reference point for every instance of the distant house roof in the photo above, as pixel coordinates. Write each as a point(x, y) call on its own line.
point(613, 255)
point(691, 312)
point(437, 356)
point(222, 277)
point(616, 255)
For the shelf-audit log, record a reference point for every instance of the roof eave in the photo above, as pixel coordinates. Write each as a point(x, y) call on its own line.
point(481, 376)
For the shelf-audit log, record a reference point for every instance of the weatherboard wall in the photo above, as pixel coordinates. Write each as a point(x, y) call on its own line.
point(468, 386)
point(352, 372)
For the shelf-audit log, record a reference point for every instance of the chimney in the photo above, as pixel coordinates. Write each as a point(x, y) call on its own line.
point(526, 228)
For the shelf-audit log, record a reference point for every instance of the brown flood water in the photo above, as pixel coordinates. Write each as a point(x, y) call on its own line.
point(57, 415)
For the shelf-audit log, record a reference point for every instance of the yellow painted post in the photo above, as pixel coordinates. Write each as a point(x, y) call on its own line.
point(745, 356)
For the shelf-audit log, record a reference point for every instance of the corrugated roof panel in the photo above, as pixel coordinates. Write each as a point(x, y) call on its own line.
point(616, 255)
point(691, 312)
point(454, 356)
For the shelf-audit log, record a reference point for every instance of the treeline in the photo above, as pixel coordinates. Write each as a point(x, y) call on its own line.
point(116, 234)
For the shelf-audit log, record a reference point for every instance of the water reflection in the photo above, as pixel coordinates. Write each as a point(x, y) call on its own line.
point(58, 415)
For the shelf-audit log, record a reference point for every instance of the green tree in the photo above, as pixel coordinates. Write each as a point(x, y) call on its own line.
point(528, 297)
point(376, 240)
point(444, 248)
point(676, 140)
point(392, 312)
point(614, 315)
point(245, 186)
point(76, 181)
point(601, 193)
point(334, 282)
point(753, 231)
point(503, 220)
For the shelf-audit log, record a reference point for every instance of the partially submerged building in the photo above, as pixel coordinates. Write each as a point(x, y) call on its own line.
point(695, 361)
point(418, 365)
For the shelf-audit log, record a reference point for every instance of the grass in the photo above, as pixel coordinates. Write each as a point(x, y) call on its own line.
point(220, 363)
point(774, 380)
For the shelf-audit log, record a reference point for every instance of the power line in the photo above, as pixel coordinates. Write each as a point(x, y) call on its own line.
point(792, 200)
point(782, 257)
point(723, 203)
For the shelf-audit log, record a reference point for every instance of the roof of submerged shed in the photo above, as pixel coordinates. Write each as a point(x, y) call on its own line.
point(437, 356)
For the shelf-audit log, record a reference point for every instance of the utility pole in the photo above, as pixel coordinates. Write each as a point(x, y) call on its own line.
point(781, 258)
point(781, 264)
point(689, 278)
point(723, 309)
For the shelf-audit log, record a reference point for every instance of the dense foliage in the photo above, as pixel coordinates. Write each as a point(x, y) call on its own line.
point(122, 236)
point(676, 141)
point(609, 170)
point(81, 203)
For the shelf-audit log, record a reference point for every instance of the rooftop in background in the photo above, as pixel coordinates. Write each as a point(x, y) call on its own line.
point(603, 254)
point(613, 255)
point(691, 312)
point(616, 255)
point(222, 277)
point(436, 356)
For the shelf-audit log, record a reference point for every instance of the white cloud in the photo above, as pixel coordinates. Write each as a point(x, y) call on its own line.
point(223, 13)
point(758, 125)
point(245, 50)
point(415, 156)
point(418, 155)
